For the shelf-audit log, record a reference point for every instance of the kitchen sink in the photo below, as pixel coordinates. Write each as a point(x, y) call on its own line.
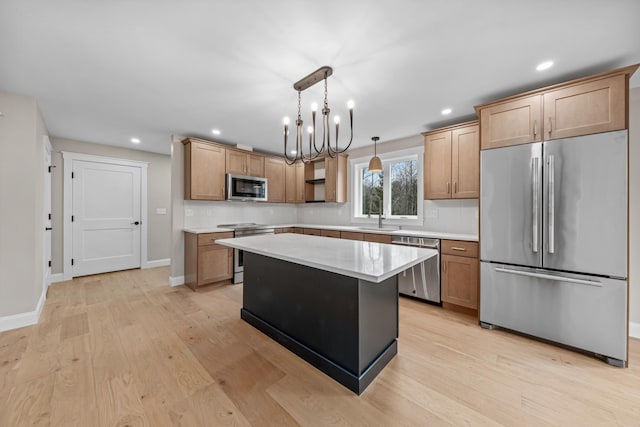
point(384, 228)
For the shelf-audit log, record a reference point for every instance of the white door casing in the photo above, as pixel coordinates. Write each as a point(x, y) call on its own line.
point(104, 197)
point(46, 249)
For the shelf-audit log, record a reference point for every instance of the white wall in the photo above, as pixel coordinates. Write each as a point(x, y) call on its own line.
point(21, 205)
point(634, 209)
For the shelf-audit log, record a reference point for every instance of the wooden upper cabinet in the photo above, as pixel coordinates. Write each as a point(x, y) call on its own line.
point(465, 162)
point(275, 172)
point(204, 169)
point(592, 107)
point(243, 163)
point(294, 186)
point(335, 189)
point(511, 123)
point(256, 165)
point(452, 162)
point(437, 166)
point(580, 107)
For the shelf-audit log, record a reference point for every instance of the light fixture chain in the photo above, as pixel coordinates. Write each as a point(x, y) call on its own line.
point(299, 104)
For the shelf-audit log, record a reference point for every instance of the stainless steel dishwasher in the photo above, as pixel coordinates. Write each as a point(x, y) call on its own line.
point(421, 281)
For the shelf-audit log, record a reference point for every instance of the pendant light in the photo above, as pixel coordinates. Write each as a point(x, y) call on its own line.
point(375, 164)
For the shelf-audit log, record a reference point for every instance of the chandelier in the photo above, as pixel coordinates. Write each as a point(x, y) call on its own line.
point(325, 149)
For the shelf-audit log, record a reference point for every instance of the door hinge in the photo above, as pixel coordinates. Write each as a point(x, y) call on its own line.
point(49, 263)
point(49, 217)
point(71, 218)
point(71, 261)
point(73, 175)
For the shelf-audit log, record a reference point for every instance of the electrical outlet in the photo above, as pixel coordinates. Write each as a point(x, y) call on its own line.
point(209, 212)
point(188, 212)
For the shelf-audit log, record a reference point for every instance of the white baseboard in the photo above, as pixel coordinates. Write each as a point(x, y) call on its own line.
point(54, 278)
point(21, 320)
point(634, 330)
point(157, 263)
point(176, 281)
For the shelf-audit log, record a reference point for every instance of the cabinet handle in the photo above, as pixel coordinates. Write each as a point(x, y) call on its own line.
point(455, 186)
point(549, 125)
point(448, 187)
point(455, 248)
point(444, 267)
point(535, 128)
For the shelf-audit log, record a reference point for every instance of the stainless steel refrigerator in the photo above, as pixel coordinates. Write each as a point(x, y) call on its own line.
point(553, 241)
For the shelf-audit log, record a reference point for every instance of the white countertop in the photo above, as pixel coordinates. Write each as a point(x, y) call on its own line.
point(356, 229)
point(369, 261)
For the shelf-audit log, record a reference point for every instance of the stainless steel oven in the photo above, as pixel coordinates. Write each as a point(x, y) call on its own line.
point(241, 187)
point(421, 281)
point(241, 230)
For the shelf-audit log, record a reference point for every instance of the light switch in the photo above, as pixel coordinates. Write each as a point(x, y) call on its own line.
point(432, 213)
point(161, 211)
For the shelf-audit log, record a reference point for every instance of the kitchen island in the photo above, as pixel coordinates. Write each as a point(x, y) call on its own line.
point(332, 302)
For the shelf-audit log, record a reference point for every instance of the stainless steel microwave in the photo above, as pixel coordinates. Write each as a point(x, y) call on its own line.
point(241, 187)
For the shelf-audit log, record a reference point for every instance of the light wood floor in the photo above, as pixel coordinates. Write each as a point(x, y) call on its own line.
point(125, 349)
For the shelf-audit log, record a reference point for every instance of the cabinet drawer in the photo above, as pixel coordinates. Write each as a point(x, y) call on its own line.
point(331, 233)
point(378, 238)
point(460, 248)
point(284, 230)
point(209, 238)
point(350, 235)
point(313, 231)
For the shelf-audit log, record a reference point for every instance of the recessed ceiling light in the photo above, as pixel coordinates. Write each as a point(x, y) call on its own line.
point(544, 65)
point(215, 131)
point(135, 140)
point(446, 111)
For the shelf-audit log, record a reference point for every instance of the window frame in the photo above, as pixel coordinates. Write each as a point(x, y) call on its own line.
point(355, 182)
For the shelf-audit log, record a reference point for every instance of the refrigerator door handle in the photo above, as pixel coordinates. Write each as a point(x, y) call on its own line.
point(534, 209)
point(550, 277)
point(551, 205)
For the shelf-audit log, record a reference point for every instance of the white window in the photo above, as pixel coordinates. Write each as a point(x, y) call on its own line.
point(397, 190)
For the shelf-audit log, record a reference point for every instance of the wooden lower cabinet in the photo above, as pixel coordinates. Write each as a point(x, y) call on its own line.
point(206, 262)
point(330, 233)
point(460, 272)
point(378, 238)
point(313, 231)
point(284, 230)
point(351, 235)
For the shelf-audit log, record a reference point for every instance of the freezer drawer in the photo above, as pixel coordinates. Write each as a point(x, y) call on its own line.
point(588, 313)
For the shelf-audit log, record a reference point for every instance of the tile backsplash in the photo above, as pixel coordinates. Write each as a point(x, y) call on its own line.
point(446, 216)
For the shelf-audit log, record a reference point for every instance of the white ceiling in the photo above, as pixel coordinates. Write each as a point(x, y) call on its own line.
point(105, 71)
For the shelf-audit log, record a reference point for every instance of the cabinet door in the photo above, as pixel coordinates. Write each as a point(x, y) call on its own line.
point(206, 174)
point(256, 165)
point(236, 162)
point(437, 166)
point(331, 175)
point(460, 281)
point(290, 186)
point(275, 170)
point(593, 107)
point(511, 123)
point(215, 263)
point(378, 238)
point(299, 179)
point(313, 231)
point(465, 162)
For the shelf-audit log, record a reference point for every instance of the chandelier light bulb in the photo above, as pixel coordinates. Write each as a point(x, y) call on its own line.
point(314, 106)
point(286, 121)
point(310, 130)
point(336, 119)
point(350, 104)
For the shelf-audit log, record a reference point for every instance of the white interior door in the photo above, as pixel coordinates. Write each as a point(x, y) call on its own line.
point(106, 217)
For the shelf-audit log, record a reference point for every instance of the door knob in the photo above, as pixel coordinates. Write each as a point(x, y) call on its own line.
point(135, 223)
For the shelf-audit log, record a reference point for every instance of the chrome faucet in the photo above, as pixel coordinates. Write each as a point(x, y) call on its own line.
point(380, 217)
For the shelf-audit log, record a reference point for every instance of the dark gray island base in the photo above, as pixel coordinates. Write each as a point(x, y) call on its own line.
point(344, 326)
